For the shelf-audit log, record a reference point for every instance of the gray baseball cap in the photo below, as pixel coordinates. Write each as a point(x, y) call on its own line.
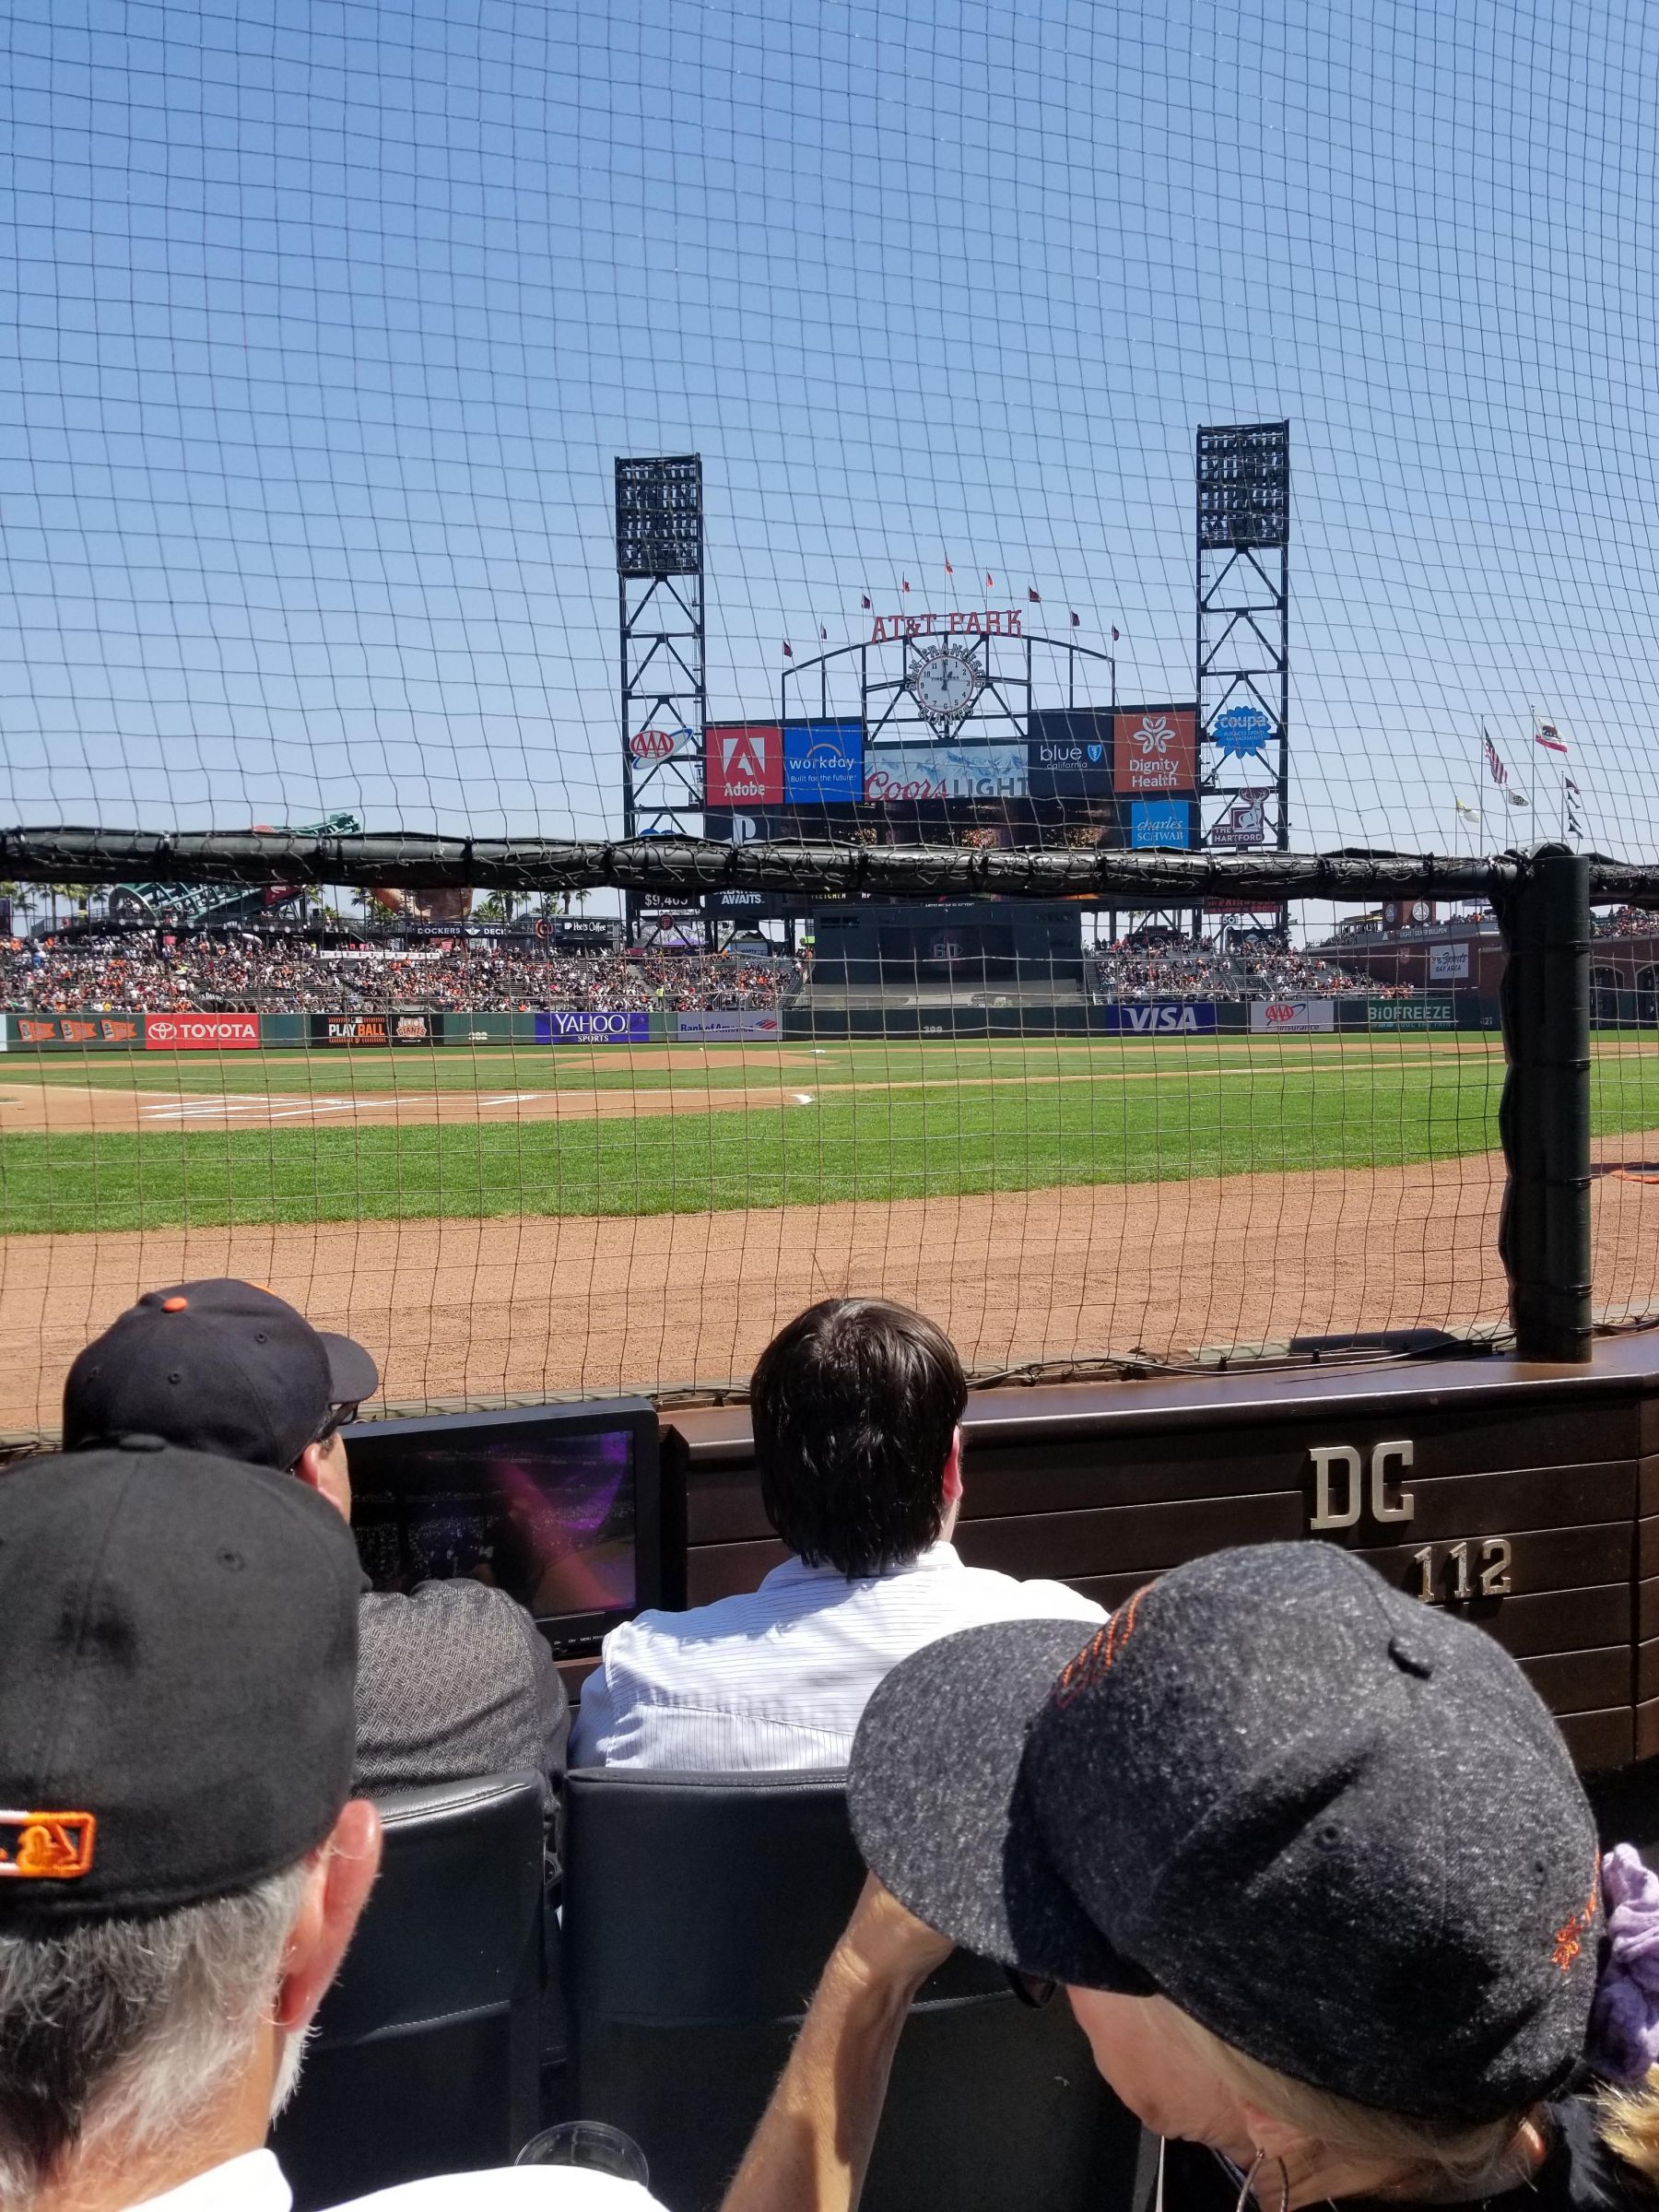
point(1335, 1826)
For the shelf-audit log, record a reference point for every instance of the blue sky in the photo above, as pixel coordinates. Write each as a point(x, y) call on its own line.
point(328, 321)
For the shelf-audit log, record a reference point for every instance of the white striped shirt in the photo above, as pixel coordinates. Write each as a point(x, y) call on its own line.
point(778, 1678)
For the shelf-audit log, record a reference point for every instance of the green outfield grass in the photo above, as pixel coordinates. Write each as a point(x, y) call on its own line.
point(1141, 1113)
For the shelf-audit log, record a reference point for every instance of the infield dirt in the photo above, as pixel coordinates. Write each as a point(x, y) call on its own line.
point(526, 1306)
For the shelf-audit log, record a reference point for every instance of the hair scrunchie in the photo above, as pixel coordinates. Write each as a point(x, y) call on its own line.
point(1623, 2041)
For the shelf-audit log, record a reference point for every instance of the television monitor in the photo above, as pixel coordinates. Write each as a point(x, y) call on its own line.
point(558, 1505)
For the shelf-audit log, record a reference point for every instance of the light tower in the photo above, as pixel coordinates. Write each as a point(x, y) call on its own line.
point(1243, 633)
point(660, 603)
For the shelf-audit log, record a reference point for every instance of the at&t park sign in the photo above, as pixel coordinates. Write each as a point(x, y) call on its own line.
point(996, 622)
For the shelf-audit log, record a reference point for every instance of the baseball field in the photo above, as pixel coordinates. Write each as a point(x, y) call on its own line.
point(513, 1220)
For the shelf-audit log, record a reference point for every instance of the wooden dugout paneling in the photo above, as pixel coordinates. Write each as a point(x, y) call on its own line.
point(1102, 1485)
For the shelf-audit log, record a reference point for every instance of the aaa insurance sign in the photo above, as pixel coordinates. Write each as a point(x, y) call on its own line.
point(744, 764)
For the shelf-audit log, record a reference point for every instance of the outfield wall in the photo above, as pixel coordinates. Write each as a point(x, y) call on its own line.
point(184, 1032)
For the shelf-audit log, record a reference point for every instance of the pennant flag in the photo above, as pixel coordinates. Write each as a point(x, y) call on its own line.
point(1572, 787)
point(948, 570)
point(1495, 767)
point(866, 599)
point(1115, 633)
point(823, 633)
point(1076, 620)
point(1035, 597)
point(788, 649)
point(1550, 738)
point(989, 581)
point(1514, 798)
point(904, 584)
point(1575, 827)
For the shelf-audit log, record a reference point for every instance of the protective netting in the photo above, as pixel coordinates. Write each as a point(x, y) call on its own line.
point(1140, 430)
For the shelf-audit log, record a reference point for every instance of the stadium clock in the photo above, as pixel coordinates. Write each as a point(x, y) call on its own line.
point(945, 683)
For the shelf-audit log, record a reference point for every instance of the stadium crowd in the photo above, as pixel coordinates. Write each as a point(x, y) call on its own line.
point(143, 974)
point(1187, 968)
point(1625, 921)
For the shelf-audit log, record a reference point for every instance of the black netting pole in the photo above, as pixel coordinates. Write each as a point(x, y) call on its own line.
point(1544, 1116)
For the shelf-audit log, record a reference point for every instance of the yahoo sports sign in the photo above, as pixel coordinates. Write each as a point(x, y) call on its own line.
point(584, 1028)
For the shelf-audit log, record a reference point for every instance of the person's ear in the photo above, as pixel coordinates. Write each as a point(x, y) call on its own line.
point(951, 1486)
point(309, 1468)
point(341, 1874)
point(1273, 2138)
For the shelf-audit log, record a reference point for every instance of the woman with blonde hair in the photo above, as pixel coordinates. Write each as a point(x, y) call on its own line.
point(1314, 1869)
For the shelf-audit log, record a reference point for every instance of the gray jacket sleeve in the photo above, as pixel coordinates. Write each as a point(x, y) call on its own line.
point(454, 1681)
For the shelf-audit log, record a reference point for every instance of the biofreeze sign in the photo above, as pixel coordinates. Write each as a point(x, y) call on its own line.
point(1292, 1016)
point(1159, 1018)
point(584, 1028)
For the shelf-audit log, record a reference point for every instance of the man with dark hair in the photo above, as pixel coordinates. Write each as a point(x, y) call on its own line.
point(858, 1408)
point(182, 1861)
point(454, 1678)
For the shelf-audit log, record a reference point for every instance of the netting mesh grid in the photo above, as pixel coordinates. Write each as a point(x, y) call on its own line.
point(1145, 430)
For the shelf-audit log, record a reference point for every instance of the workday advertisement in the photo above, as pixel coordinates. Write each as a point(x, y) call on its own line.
point(1157, 1017)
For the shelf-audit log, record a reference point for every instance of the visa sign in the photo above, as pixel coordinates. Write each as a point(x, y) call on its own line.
point(1157, 1017)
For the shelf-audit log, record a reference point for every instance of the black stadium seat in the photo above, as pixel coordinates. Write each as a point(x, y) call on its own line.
point(699, 1913)
point(425, 2058)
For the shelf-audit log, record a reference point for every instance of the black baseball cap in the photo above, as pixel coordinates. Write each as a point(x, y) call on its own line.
point(178, 1660)
point(220, 1366)
point(1335, 1826)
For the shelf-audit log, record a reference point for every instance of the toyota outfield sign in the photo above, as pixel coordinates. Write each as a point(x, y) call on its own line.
point(1157, 1017)
point(584, 1028)
point(200, 1032)
point(1292, 1017)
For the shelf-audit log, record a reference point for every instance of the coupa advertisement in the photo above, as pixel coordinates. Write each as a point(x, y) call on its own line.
point(730, 1025)
point(1292, 1016)
point(586, 1028)
point(1159, 1018)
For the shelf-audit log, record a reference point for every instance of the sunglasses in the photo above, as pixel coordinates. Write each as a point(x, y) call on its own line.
point(1033, 1990)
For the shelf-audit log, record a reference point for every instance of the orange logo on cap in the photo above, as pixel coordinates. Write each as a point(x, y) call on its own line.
point(1570, 1935)
point(50, 1847)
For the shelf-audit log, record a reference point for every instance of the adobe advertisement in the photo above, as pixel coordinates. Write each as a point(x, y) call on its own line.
point(585, 1027)
point(744, 764)
point(1155, 749)
point(200, 1032)
point(1292, 1017)
point(823, 763)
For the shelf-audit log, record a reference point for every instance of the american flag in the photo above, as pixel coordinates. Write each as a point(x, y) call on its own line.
point(1495, 767)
